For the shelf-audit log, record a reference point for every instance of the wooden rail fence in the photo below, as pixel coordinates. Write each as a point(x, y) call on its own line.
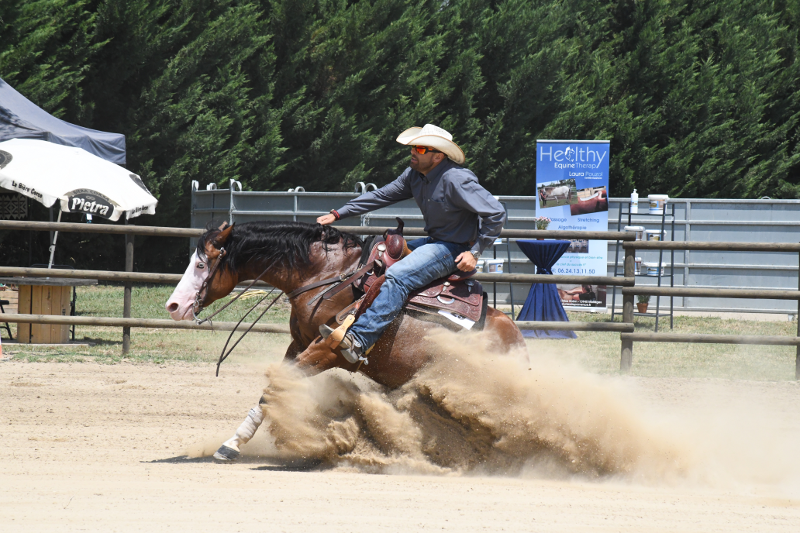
point(626, 328)
point(628, 338)
point(128, 276)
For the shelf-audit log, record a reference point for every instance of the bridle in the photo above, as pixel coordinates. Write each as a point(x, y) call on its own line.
point(340, 282)
point(203, 290)
point(198, 306)
point(198, 300)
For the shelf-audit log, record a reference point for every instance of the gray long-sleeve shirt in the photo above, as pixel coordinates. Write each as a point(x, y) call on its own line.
point(451, 200)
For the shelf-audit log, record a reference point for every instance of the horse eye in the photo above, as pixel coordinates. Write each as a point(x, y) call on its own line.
point(201, 266)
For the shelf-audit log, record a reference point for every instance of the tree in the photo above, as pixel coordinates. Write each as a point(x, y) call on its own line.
point(698, 98)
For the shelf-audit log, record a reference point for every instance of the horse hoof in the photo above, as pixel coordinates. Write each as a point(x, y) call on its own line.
point(226, 454)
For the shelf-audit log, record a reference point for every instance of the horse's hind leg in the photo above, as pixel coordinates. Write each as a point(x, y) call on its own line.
point(229, 451)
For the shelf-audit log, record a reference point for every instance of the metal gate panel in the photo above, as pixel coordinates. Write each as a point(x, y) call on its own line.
point(710, 220)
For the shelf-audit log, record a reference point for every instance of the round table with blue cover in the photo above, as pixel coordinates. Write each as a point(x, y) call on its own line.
point(543, 303)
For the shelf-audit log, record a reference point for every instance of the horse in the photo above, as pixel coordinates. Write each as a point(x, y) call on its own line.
point(564, 191)
point(292, 256)
point(596, 203)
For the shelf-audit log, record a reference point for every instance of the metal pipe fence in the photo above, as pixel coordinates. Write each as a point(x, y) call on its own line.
point(165, 231)
point(173, 279)
point(155, 323)
point(764, 340)
point(129, 229)
point(695, 219)
point(725, 220)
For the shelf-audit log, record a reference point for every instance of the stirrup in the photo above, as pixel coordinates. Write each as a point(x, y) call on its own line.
point(348, 351)
point(338, 334)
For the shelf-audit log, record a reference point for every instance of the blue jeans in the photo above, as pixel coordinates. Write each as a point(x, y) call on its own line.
point(430, 261)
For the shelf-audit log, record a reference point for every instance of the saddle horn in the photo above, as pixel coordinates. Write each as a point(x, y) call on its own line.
point(398, 230)
point(395, 243)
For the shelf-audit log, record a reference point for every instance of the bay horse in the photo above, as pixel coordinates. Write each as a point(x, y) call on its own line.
point(294, 255)
point(596, 203)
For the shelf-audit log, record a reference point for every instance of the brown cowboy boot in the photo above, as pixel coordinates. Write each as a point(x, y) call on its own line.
point(351, 349)
point(319, 356)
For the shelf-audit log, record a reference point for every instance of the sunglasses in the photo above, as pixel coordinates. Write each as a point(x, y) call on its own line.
point(422, 150)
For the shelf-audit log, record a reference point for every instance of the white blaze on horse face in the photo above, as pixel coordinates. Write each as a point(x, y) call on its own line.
point(179, 305)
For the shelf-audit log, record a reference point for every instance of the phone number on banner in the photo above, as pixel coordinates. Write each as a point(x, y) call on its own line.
point(564, 270)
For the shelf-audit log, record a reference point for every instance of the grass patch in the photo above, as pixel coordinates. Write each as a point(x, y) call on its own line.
point(150, 345)
point(598, 352)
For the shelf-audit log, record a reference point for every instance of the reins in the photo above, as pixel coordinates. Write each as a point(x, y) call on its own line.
point(223, 355)
point(218, 311)
point(197, 300)
point(342, 281)
point(339, 283)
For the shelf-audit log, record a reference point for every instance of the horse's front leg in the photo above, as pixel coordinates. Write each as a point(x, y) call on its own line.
point(229, 451)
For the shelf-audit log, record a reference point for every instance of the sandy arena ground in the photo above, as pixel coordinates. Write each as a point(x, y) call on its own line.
point(101, 448)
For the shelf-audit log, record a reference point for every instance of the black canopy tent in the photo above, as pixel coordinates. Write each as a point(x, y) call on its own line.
point(22, 119)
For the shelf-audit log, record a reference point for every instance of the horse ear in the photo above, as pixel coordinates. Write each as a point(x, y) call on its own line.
point(223, 235)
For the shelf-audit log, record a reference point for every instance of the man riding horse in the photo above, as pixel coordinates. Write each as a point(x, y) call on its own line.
point(461, 219)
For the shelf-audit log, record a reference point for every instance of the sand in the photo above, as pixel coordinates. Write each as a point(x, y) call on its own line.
point(104, 448)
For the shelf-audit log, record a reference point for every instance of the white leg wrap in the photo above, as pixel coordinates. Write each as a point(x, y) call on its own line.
point(248, 428)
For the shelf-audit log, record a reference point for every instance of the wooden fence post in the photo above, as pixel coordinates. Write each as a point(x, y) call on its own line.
point(626, 355)
point(126, 303)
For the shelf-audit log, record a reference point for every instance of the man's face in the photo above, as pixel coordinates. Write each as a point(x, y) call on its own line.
point(424, 163)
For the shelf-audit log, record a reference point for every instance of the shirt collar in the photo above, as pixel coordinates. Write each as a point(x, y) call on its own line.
point(437, 170)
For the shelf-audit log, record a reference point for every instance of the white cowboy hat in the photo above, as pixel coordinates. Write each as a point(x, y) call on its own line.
point(434, 137)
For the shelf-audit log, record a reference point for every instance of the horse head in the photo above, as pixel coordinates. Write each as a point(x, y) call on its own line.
point(205, 280)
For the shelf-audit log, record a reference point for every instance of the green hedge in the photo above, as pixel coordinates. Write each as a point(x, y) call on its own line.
point(698, 98)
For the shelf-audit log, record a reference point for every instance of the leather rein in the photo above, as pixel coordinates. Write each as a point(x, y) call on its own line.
point(342, 281)
point(198, 305)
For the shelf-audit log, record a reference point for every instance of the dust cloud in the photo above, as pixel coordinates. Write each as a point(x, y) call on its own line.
point(471, 411)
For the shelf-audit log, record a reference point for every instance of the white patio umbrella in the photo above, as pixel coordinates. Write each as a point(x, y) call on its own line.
point(81, 182)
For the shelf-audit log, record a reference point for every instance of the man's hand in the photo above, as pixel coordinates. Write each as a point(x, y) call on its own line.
point(466, 262)
point(326, 219)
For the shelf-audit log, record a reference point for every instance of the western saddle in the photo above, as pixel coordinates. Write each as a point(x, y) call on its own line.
point(456, 298)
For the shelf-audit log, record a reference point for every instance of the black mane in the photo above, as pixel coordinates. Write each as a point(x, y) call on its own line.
point(275, 243)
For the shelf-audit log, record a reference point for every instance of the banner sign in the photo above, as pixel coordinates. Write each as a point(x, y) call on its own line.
point(572, 191)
